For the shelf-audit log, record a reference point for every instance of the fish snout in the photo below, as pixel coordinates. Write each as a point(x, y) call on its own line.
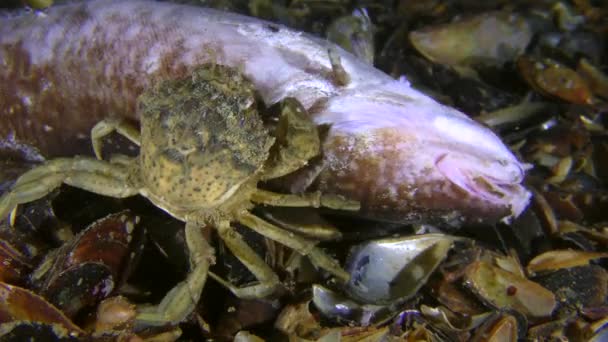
point(494, 182)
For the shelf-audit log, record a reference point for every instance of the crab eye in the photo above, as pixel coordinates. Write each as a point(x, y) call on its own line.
point(174, 155)
point(246, 102)
point(164, 116)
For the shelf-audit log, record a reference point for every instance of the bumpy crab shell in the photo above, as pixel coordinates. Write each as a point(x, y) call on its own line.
point(208, 155)
point(403, 155)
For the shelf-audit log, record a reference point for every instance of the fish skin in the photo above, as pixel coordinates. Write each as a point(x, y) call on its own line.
point(406, 157)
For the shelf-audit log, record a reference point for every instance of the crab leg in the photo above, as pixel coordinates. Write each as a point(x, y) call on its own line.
point(182, 299)
point(309, 199)
point(297, 243)
point(268, 280)
point(85, 173)
point(107, 126)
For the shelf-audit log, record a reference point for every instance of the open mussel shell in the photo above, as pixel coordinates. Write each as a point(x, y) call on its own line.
point(91, 266)
point(386, 270)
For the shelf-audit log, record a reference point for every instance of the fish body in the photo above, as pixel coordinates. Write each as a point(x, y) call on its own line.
point(403, 155)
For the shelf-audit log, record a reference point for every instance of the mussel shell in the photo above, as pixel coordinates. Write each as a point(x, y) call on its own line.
point(21, 305)
point(87, 269)
point(386, 270)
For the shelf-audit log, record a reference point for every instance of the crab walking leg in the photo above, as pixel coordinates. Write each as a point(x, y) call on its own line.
point(86, 173)
point(107, 126)
point(182, 299)
point(29, 192)
point(76, 164)
point(268, 280)
point(297, 243)
point(309, 199)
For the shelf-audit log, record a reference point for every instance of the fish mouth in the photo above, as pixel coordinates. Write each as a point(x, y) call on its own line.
point(496, 183)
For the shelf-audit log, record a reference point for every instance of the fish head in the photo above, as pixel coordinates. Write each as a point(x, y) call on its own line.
point(409, 158)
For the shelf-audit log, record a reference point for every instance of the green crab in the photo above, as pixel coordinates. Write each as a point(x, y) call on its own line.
point(203, 150)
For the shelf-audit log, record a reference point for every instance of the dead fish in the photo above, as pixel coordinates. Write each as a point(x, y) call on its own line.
point(402, 154)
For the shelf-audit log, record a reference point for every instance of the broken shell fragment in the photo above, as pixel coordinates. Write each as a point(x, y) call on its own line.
point(553, 328)
point(558, 259)
point(456, 299)
point(504, 328)
point(386, 270)
point(114, 313)
point(577, 287)
point(597, 80)
point(451, 321)
point(360, 321)
point(504, 289)
point(339, 308)
point(491, 38)
point(296, 319)
point(554, 79)
point(355, 34)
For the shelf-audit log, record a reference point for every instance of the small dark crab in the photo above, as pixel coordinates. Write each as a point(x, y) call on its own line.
point(203, 150)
